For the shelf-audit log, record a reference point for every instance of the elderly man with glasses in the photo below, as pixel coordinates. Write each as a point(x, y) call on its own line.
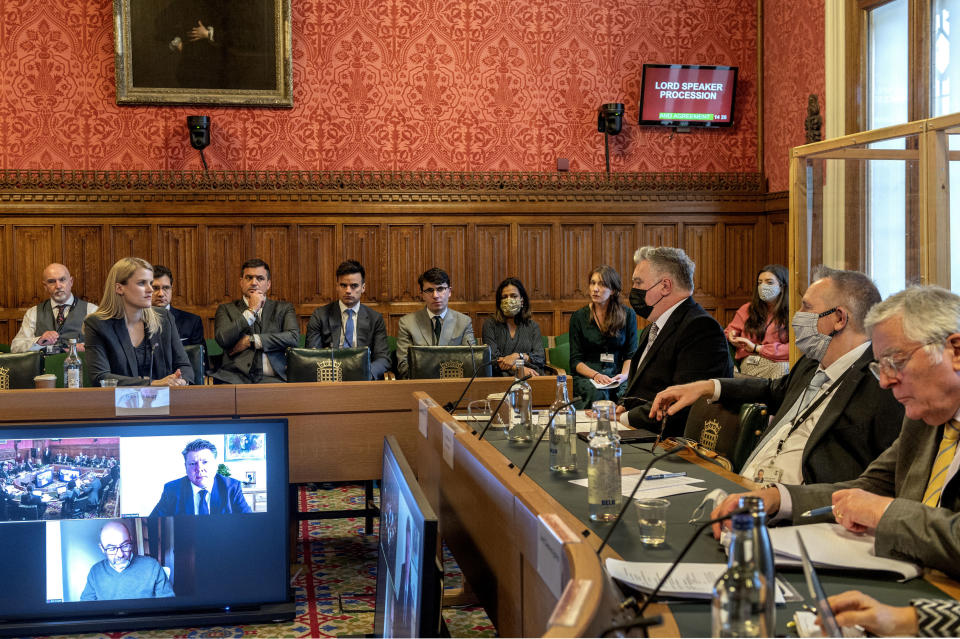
point(909, 497)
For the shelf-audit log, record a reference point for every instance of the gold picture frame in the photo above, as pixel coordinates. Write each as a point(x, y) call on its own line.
point(219, 52)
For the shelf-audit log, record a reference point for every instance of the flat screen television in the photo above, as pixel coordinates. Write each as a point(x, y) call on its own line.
point(408, 572)
point(145, 559)
point(684, 95)
point(66, 474)
point(43, 478)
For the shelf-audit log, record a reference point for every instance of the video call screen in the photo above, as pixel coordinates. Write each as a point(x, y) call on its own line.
point(121, 518)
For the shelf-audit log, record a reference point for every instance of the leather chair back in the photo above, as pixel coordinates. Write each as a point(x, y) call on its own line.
point(28, 513)
point(731, 435)
point(314, 364)
point(17, 370)
point(197, 361)
point(444, 362)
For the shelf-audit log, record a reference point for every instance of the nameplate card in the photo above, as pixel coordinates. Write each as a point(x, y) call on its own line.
point(449, 435)
point(425, 406)
point(552, 534)
point(141, 400)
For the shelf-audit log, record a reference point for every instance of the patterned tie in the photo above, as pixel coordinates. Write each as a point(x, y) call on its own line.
point(938, 474)
point(61, 318)
point(436, 329)
point(652, 335)
point(813, 388)
point(204, 508)
point(348, 331)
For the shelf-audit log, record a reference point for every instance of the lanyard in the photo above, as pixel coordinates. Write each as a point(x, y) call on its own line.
point(799, 419)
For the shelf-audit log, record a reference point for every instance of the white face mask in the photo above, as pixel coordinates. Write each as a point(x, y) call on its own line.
point(768, 292)
point(510, 306)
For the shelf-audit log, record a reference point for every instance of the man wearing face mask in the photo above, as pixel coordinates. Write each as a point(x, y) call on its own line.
point(830, 416)
point(682, 343)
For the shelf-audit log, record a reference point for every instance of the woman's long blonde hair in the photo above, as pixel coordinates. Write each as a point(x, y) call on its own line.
point(111, 304)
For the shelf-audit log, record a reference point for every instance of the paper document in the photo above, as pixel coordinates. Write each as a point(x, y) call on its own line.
point(688, 580)
point(807, 626)
point(651, 488)
point(833, 546)
point(613, 384)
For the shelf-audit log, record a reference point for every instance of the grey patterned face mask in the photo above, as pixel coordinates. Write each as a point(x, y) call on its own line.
point(810, 341)
point(511, 306)
point(768, 292)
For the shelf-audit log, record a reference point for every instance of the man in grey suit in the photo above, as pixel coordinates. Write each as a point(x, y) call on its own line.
point(435, 324)
point(346, 323)
point(830, 416)
point(909, 497)
point(255, 331)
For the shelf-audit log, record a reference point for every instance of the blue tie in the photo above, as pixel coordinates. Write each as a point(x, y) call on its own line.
point(348, 330)
point(204, 508)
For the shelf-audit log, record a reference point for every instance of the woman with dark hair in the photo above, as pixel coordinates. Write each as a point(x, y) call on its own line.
point(512, 333)
point(759, 331)
point(603, 339)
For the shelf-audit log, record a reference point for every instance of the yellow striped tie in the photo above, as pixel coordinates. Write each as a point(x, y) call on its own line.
point(938, 474)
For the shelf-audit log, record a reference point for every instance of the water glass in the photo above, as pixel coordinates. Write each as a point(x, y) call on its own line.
point(479, 411)
point(652, 517)
point(108, 383)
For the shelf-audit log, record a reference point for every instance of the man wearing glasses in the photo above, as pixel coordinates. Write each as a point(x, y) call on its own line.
point(435, 324)
point(123, 574)
point(831, 418)
point(909, 497)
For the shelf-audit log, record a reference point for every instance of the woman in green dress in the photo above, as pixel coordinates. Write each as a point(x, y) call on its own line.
point(603, 339)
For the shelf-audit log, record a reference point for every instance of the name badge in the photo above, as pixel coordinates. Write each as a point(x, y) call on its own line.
point(606, 358)
point(768, 474)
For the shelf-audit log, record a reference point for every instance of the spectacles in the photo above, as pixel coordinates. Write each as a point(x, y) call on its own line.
point(124, 547)
point(431, 291)
point(893, 365)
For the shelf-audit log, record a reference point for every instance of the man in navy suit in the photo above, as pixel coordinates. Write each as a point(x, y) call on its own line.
point(347, 323)
point(189, 326)
point(202, 491)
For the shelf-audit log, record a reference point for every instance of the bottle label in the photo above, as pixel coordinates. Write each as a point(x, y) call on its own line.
point(73, 378)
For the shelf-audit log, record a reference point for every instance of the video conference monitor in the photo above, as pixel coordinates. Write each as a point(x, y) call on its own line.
point(66, 474)
point(191, 529)
point(43, 478)
point(684, 95)
point(408, 574)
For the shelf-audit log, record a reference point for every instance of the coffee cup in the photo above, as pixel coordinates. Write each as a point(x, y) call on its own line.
point(47, 380)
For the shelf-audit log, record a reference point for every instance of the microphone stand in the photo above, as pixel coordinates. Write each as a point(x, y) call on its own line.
point(451, 407)
point(543, 432)
point(494, 412)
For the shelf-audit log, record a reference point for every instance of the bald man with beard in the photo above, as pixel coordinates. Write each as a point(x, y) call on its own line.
point(123, 574)
point(55, 320)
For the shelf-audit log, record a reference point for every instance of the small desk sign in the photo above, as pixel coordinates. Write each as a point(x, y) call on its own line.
point(552, 534)
point(141, 400)
point(425, 406)
point(448, 440)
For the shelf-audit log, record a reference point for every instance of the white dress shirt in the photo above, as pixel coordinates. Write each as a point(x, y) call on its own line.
point(26, 339)
point(344, 318)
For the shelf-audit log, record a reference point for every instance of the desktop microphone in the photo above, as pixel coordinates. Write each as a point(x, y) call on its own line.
point(451, 407)
point(494, 412)
point(549, 421)
point(629, 500)
point(153, 349)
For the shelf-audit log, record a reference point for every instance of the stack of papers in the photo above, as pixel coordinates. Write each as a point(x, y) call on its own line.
point(833, 546)
point(651, 488)
point(688, 580)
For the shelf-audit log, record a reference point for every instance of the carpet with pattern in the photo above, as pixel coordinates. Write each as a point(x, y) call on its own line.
point(335, 581)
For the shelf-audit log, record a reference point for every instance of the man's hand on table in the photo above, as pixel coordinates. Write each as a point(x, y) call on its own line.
point(771, 504)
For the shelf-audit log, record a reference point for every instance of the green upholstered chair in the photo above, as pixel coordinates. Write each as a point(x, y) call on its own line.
point(17, 370)
point(4, 348)
point(731, 434)
point(53, 364)
point(314, 364)
point(195, 353)
point(562, 338)
point(558, 358)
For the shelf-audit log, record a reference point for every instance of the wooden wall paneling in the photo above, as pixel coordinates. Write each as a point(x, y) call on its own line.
point(33, 248)
point(448, 251)
point(576, 260)
point(130, 241)
point(534, 259)
point(544, 318)
point(178, 248)
point(492, 259)
point(318, 263)
point(361, 242)
point(405, 261)
point(85, 255)
point(272, 244)
point(740, 259)
point(226, 250)
point(617, 249)
point(777, 240)
point(659, 235)
point(701, 244)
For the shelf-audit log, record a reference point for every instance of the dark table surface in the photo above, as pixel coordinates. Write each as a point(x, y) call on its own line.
point(693, 617)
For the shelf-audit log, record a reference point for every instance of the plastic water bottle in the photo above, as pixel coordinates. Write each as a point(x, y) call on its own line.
point(740, 594)
point(521, 419)
point(603, 466)
point(72, 367)
point(563, 431)
point(763, 552)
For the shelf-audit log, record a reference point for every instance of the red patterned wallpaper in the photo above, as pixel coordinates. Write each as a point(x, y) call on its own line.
point(391, 84)
point(793, 68)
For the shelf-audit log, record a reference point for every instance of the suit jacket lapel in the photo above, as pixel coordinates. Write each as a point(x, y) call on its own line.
point(216, 496)
point(836, 403)
point(446, 329)
point(123, 338)
point(334, 324)
point(186, 497)
point(425, 326)
point(669, 328)
point(362, 326)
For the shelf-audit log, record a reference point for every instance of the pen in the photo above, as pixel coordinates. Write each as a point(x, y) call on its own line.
point(665, 476)
point(816, 512)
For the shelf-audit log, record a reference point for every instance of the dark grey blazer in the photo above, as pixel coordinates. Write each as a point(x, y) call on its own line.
point(859, 422)
point(325, 328)
point(416, 330)
point(908, 530)
point(110, 354)
point(279, 331)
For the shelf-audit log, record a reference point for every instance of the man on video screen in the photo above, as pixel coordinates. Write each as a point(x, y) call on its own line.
point(202, 491)
point(124, 575)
